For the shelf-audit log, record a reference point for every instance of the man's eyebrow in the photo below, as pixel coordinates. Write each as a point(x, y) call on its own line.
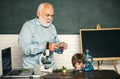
point(49, 15)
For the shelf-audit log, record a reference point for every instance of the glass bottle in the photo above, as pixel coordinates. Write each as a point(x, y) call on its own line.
point(88, 56)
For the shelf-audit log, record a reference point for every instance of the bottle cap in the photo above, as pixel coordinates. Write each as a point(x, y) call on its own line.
point(87, 50)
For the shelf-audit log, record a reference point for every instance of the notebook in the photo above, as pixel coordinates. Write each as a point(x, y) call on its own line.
point(7, 69)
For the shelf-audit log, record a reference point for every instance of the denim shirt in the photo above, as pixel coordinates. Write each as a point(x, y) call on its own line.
point(32, 40)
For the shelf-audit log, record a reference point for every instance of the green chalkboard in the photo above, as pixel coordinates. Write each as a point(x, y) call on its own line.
point(70, 15)
point(102, 43)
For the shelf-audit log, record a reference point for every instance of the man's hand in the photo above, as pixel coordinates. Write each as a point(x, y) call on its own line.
point(53, 46)
point(63, 44)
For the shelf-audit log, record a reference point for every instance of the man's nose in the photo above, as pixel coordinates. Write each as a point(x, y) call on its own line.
point(50, 17)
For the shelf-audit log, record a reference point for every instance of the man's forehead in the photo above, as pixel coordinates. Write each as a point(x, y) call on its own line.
point(48, 11)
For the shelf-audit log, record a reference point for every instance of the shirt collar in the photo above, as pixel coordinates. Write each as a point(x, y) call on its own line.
point(37, 22)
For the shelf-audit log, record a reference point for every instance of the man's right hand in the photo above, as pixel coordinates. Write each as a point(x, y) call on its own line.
point(53, 46)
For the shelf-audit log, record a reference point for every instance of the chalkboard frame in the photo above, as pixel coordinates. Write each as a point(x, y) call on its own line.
point(99, 58)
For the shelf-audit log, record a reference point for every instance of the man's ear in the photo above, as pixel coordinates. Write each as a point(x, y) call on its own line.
point(38, 14)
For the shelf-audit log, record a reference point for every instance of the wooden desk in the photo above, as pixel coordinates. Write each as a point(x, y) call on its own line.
point(104, 74)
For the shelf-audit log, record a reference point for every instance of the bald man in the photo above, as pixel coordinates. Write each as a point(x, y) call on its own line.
point(38, 35)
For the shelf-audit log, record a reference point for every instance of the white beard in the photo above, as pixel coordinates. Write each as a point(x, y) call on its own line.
point(44, 23)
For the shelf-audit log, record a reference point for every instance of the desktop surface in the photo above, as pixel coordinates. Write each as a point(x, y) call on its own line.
point(103, 74)
point(96, 74)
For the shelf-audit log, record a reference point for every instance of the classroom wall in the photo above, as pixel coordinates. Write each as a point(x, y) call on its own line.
point(11, 40)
